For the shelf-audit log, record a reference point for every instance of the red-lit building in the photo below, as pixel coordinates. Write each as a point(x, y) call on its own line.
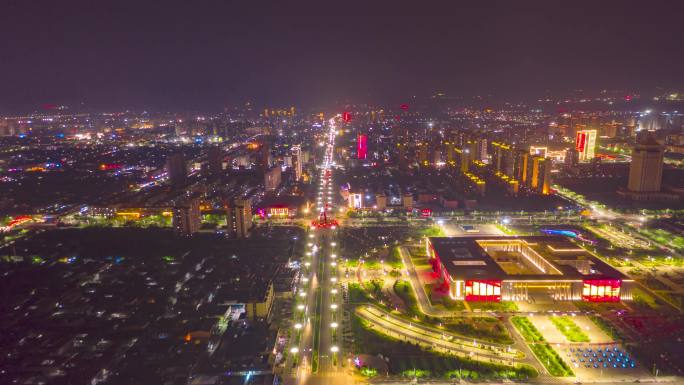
point(361, 146)
point(522, 268)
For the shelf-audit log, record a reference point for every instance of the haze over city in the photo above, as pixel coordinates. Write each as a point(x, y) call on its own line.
point(205, 193)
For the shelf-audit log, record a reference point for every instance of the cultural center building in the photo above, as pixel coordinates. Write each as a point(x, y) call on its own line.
point(493, 268)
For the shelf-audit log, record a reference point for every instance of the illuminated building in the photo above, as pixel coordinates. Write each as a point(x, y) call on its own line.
point(297, 162)
point(538, 151)
point(502, 154)
point(521, 166)
point(465, 160)
point(355, 201)
point(362, 146)
point(585, 144)
point(272, 179)
point(239, 218)
point(540, 180)
point(546, 268)
point(481, 150)
point(176, 169)
point(186, 217)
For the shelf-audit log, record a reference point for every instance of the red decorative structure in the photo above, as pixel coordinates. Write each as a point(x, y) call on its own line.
point(483, 290)
point(601, 290)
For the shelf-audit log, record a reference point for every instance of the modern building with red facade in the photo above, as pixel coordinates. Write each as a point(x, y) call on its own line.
point(524, 268)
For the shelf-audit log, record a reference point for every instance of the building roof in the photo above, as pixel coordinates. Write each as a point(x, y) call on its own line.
point(464, 258)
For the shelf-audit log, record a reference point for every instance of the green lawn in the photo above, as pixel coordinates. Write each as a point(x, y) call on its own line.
point(551, 360)
point(405, 292)
point(569, 328)
point(527, 329)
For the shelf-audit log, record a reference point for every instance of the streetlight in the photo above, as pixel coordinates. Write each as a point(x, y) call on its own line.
point(298, 326)
point(334, 349)
point(294, 350)
point(333, 325)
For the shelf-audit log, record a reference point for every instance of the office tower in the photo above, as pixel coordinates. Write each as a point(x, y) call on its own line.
point(585, 144)
point(297, 162)
point(272, 178)
point(186, 217)
point(215, 161)
point(176, 169)
point(646, 168)
point(239, 218)
point(361, 146)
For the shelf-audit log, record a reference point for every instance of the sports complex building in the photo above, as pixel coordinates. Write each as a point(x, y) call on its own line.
point(524, 268)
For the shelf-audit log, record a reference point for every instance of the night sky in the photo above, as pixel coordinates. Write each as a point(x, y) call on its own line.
point(204, 55)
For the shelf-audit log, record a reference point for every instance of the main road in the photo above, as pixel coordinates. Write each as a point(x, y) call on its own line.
point(315, 355)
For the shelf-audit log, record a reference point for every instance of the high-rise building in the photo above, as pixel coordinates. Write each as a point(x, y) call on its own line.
point(481, 150)
point(466, 157)
point(176, 169)
point(646, 168)
point(297, 162)
point(215, 161)
point(239, 218)
point(521, 166)
point(422, 150)
point(585, 144)
point(265, 156)
point(540, 179)
point(272, 178)
point(186, 217)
